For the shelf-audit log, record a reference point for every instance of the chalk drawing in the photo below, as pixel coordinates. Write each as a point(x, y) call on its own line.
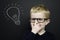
point(15, 17)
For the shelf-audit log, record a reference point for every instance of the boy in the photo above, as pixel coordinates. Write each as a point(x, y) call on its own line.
point(39, 18)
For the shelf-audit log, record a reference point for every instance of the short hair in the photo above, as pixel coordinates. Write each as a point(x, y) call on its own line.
point(39, 8)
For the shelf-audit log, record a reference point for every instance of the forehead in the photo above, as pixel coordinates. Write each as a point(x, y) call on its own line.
point(38, 15)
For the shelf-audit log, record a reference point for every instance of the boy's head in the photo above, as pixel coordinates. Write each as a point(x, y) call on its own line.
point(39, 14)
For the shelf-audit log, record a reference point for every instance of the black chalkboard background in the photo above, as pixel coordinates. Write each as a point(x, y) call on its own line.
point(9, 30)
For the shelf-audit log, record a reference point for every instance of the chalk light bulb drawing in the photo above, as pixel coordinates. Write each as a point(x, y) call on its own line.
point(14, 14)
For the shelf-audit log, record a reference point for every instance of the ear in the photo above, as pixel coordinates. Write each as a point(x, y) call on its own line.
point(48, 21)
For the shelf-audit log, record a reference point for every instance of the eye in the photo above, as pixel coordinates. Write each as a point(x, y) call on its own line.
point(45, 19)
point(33, 19)
point(40, 19)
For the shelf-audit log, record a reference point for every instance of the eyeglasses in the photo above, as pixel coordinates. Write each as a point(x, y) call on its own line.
point(40, 20)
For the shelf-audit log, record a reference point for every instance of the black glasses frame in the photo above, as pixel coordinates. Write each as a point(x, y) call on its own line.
point(40, 20)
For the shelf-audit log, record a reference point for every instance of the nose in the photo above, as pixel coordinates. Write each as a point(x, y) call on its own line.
point(36, 22)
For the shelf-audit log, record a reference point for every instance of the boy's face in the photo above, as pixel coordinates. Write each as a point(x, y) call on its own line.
point(40, 19)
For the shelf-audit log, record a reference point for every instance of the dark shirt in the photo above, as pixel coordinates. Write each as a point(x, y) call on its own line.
point(32, 36)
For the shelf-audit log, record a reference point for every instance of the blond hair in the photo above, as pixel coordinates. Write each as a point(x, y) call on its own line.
point(39, 8)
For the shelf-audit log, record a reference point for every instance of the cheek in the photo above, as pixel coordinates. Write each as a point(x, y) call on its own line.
point(32, 24)
point(42, 24)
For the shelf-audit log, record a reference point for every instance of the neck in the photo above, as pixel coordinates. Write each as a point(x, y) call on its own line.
point(41, 32)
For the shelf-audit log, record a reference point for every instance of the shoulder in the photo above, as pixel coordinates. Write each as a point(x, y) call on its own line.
point(50, 35)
